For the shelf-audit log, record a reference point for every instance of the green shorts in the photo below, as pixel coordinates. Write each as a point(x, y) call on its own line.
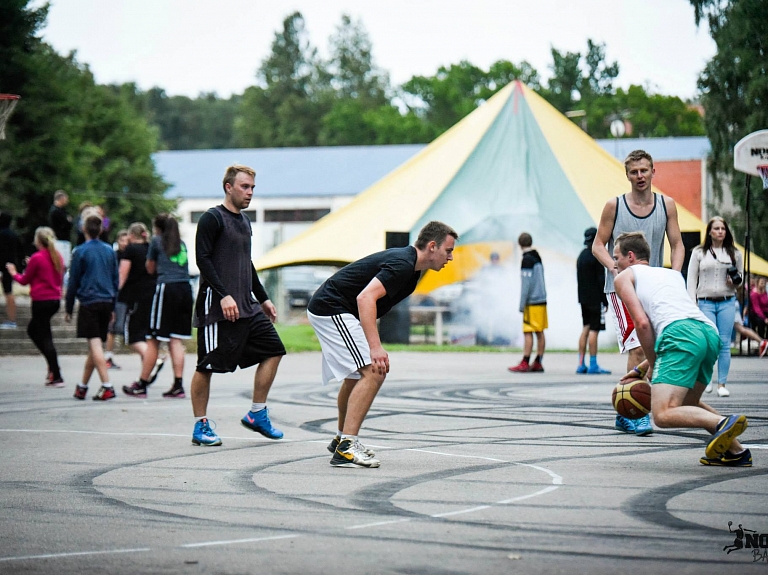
point(686, 353)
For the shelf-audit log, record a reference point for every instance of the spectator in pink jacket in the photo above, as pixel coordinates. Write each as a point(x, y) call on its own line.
point(45, 275)
point(758, 303)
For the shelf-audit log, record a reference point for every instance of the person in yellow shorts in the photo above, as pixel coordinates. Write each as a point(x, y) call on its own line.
point(533, 305)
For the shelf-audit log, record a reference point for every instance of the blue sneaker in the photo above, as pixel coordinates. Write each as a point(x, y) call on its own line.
point(259, 421)
point(643, 425)
point(598, 370)
point(727, 430)
point(581, 369)
point(204, 435)
point(624, 424)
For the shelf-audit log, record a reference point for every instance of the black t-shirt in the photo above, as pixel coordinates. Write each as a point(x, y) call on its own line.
point(139, 283)
point(395, 268)
point(590, 275)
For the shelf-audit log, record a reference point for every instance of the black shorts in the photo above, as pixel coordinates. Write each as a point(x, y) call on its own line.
point(93, 320)
point(7, 280)
point(137, 321)
point(224, 346)
point(171, 312)
point(594, 316)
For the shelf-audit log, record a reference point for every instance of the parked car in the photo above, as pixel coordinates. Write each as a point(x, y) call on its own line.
point(301, 282)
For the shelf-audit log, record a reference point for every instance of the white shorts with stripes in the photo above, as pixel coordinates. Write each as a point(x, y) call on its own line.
point(622, 321)
point(345, 349)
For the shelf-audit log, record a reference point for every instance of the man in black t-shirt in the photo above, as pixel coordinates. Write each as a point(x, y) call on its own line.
point(343, 312)
point(233, 329)
point(590, 275)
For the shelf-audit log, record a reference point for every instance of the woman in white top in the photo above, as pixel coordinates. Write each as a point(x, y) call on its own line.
point(714, 272)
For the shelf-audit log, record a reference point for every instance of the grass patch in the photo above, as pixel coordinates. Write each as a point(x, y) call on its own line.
point(302, 337)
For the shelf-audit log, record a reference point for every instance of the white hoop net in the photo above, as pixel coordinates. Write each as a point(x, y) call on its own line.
point(7, 104)
point(764, 175)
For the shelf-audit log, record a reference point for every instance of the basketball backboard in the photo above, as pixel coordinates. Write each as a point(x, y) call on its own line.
point(750, 152)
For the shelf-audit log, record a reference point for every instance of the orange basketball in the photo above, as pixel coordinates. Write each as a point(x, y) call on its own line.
point(632, 399)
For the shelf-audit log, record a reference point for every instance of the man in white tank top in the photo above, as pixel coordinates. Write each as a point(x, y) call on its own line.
point(681, 346)
point(655, 215)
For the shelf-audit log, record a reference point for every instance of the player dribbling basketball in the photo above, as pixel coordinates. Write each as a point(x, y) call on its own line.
point(681, 346)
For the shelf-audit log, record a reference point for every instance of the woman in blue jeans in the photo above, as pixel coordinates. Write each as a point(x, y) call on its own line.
point(714, 272)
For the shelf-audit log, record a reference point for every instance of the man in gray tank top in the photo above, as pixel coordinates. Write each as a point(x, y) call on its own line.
point(640, 210)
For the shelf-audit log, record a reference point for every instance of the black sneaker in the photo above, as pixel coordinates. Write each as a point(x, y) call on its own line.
point(335, 443)
point(135, 390)
point(80, 392)
point(177, 392)
point(728, 459)
point(350, 454)
point(112, 365)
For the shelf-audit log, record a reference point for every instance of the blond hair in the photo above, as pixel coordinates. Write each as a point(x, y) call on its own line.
point(45, 238)
point(231, 173)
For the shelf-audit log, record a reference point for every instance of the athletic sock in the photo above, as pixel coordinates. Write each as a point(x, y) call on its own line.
point(143, 382)
point(526, 358)
point(339, 432)
point(257, 406)
point(202, 417)
point(106, 384)
point(83, 385)
point(177, 382)
point(108, 355)
point(352, 437)
point(593, 361)
point(538, 358)
point(581, 359)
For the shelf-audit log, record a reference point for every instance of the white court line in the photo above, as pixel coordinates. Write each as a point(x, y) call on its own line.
point(236, 541)
point(133, 434)
point(556, 482)
point(378, 523)
point(73, 554)
point(761, 446)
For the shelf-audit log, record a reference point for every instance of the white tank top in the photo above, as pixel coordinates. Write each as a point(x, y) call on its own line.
point(664, 298)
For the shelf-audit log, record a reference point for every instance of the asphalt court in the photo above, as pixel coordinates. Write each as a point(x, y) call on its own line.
point(482, 471)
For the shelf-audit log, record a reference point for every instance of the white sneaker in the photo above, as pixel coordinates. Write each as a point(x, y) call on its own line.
point(722, 392)
point(708, 389)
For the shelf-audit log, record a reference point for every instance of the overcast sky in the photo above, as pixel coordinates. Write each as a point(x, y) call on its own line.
point(193, 46)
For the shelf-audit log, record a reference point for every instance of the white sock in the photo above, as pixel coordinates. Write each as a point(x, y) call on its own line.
point(352, 437)
point(106, 384)
point(257, 407)
point(339, 432)
point(83, 385)
point(108, 355)
point(200, 418)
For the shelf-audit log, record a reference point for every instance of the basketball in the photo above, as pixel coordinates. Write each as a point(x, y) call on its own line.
point(632, 399)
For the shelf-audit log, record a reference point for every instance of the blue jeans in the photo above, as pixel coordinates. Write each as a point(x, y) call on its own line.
point(722, 314)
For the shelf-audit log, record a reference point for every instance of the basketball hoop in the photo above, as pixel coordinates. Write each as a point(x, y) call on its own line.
point(764, 175)
point(7, 104)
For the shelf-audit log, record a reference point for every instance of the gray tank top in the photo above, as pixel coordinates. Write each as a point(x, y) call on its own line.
point(654, 226)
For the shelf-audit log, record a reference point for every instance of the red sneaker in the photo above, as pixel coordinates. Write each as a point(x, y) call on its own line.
point(763, 347)
point(523, 366)
point(104, 394)
point(536, 366)
point(80, 392)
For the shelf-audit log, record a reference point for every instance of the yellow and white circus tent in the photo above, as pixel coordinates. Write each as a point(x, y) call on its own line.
point(514, 165)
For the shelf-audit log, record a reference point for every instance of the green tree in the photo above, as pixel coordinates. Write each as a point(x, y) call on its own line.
point(734, 86)
point(286, 106)
point(67, 132)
